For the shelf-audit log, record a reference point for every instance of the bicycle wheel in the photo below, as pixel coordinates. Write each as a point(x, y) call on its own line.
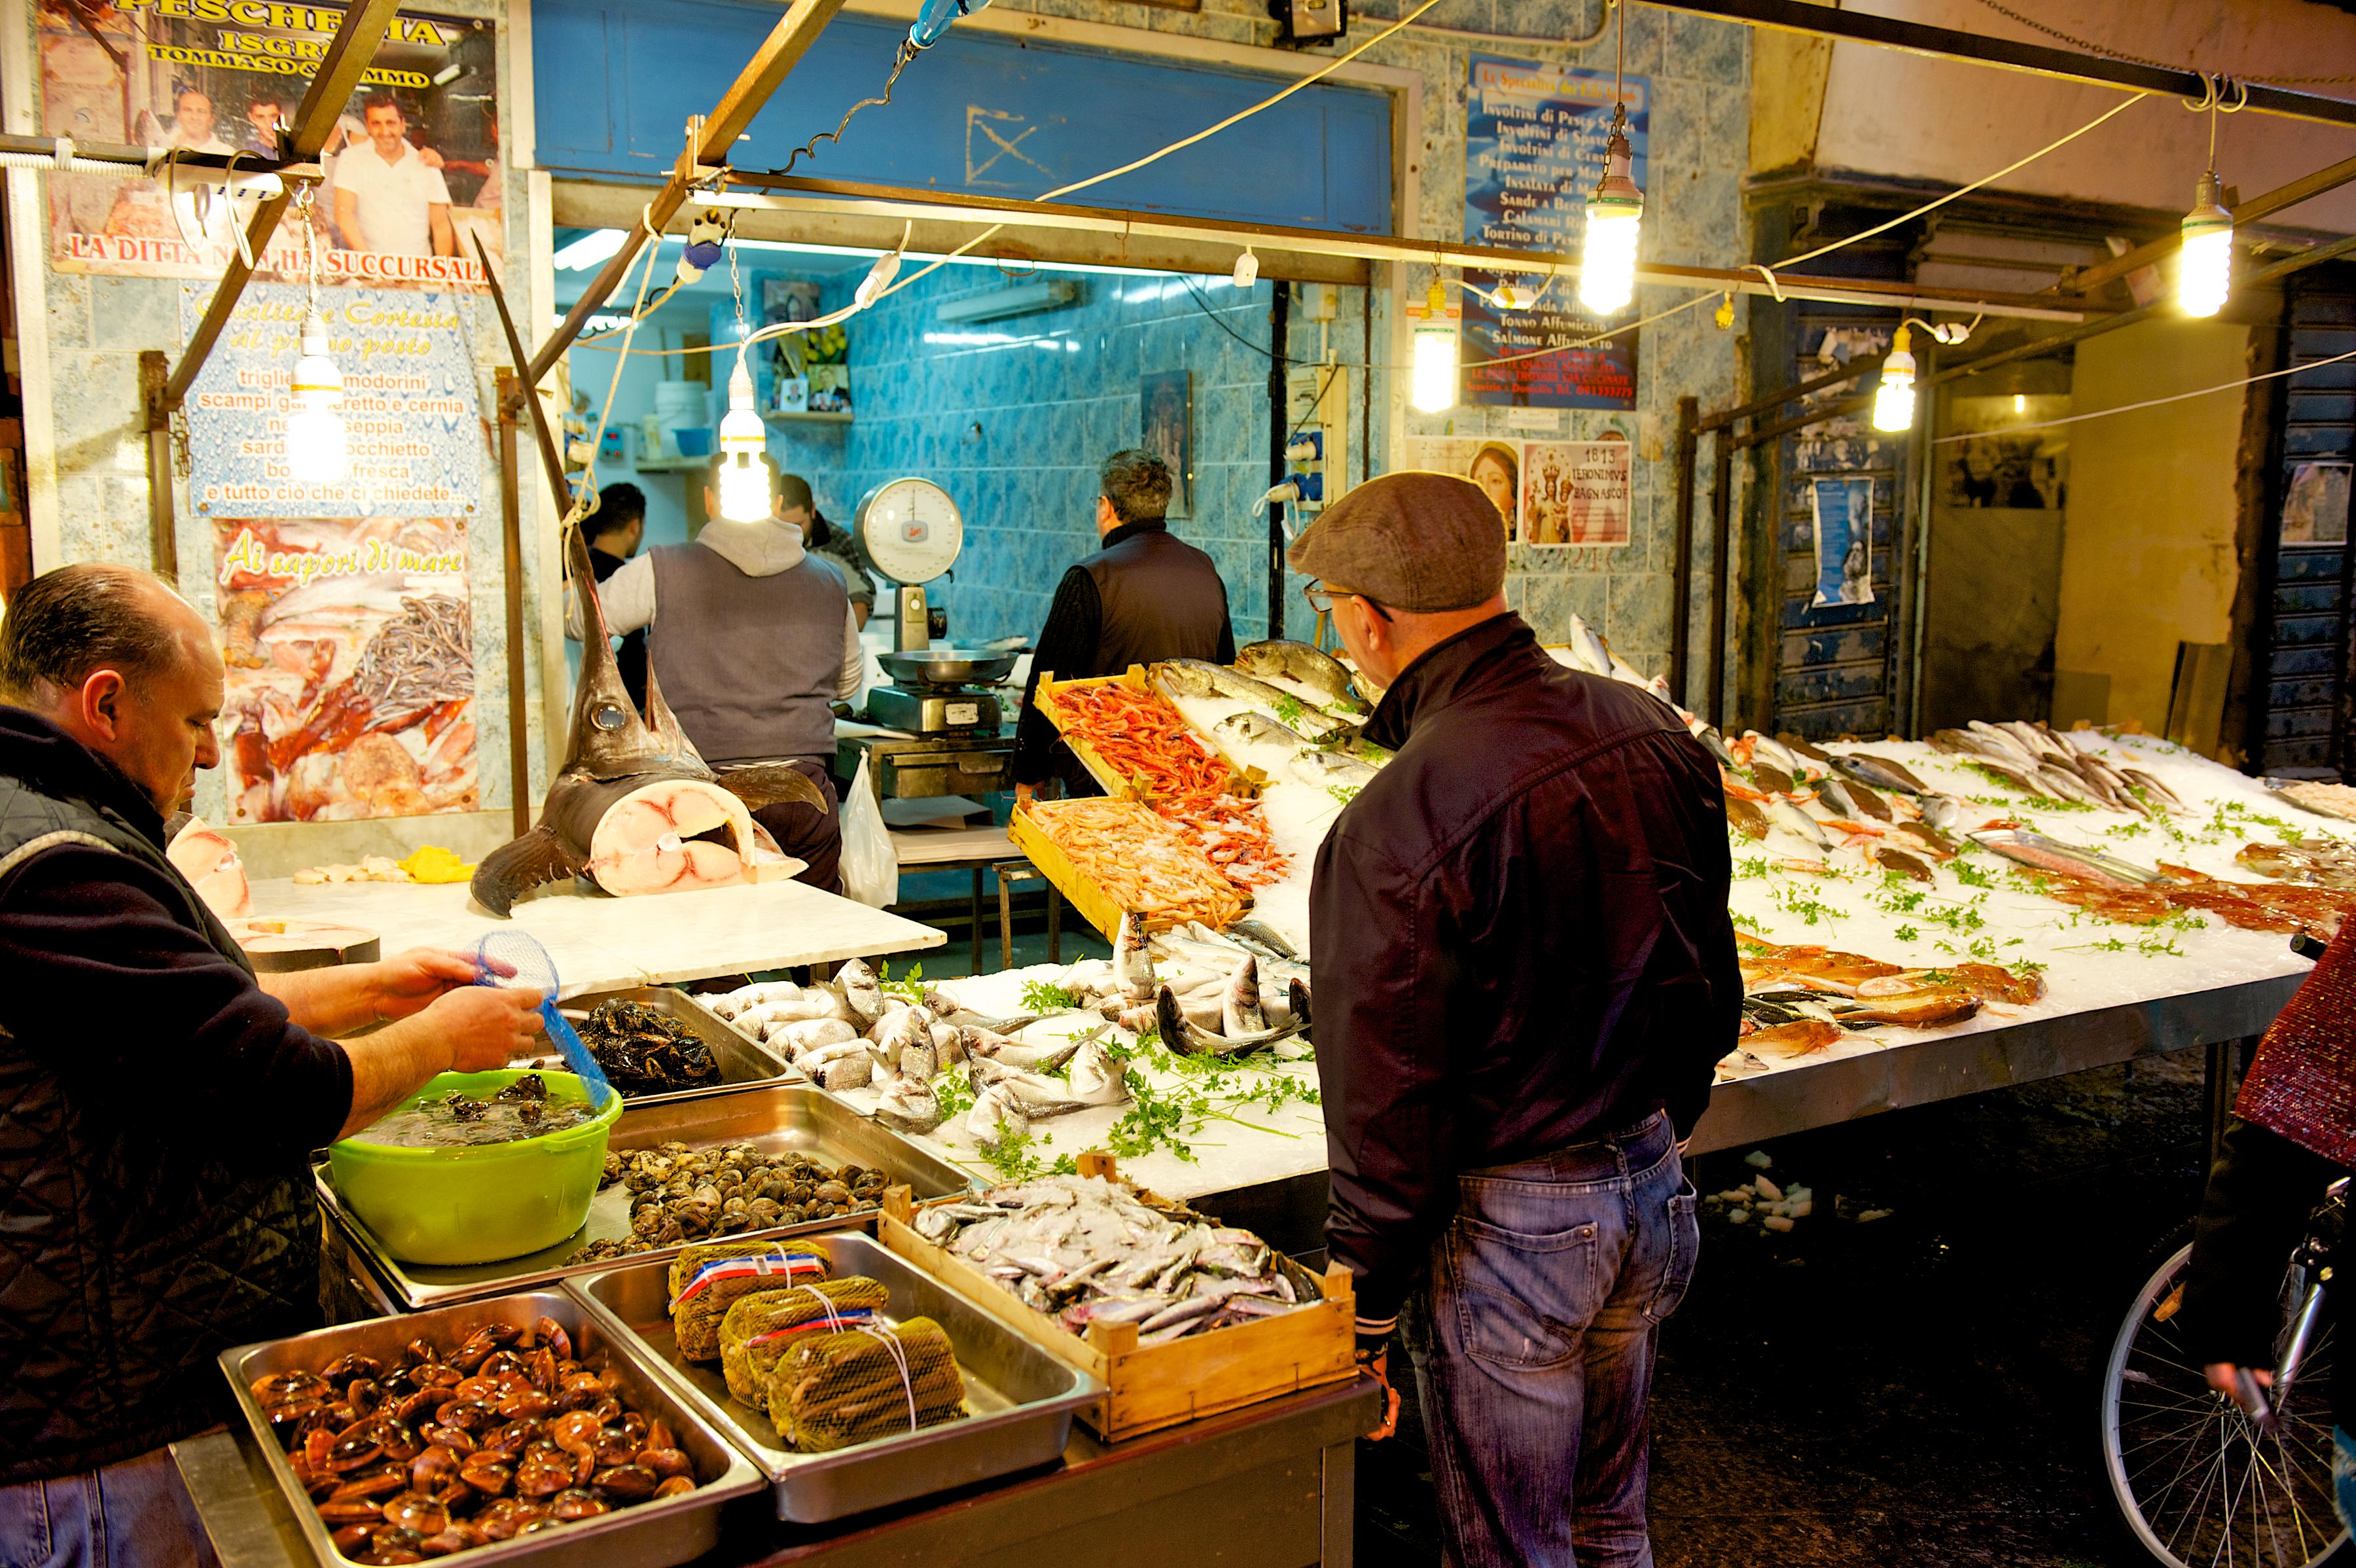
point(2194, 1480)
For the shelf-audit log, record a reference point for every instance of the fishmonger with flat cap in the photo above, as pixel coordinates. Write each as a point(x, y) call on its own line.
point(1525, 973)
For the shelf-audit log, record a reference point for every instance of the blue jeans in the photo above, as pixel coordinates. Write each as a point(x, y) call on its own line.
point(135, 1514)
point(1533, 1343)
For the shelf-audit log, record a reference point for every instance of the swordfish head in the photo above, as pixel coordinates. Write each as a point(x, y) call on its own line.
point(609, 740)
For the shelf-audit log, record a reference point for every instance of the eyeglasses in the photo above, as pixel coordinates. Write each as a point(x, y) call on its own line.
point(1321, 599)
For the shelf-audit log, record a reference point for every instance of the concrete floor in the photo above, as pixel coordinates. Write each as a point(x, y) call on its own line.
point(1916, 1390)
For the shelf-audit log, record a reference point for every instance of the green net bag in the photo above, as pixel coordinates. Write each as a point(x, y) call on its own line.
point(706, 1279)
point(831, 1389)
point(758, 1329)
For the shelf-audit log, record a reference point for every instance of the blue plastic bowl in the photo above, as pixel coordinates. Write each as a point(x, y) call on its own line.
point(693, 443)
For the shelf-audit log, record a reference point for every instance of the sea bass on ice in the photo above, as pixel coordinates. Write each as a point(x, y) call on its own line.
point(1311, 666)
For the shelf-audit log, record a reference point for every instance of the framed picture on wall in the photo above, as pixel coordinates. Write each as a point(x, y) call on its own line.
point(2315, 504)
point(1166, 427)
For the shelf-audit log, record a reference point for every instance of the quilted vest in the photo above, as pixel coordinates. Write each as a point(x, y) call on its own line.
point(127, 1263)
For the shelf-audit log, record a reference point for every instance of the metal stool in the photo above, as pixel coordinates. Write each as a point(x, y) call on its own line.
point(1010, 872)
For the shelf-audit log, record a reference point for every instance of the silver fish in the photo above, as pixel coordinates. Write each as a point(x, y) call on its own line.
point(1878, 772)
point(1713, 741)
point(1240, 1012)
point(1330, 769)
point(1198, 677)
point(1182, 1034)
point(1797, 823)
point(910, 1107)
point(981, 1045)
point(1312, 667)
point(1776, 752)
point(1587, 645)
point(1098, 1077)
point(1836, 799)
point(1132, 960)
point(1248, 725)
point(1260, 934)
point(861, 990)
point(995, 1116)
point(1943, 812)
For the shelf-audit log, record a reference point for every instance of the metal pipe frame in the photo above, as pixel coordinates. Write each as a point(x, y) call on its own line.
point(2005, 54)
point(1721, 528)
point(711, 138)
point(2249, 209)
point(799, 194)
point(1681, 569)
point(133, 158)
point(511, 564)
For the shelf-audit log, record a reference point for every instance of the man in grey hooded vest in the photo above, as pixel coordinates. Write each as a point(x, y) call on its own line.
point(752, 641)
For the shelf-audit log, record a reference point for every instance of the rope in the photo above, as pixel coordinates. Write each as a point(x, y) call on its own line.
point(890, 1340)
point(2148, 403)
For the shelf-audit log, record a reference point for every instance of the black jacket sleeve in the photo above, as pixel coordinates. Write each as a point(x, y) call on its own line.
point(1383, 984)
point(2260, 1193)
point(1067, 650)
point(134, 1009)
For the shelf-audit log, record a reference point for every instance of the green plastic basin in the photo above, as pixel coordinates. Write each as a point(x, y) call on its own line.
point(479, 1205)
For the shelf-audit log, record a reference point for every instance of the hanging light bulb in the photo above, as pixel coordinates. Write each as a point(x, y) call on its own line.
point(2207, 273)
point(1893, 401)
point(1616, 215)
point(1433, 386)
point(743, 477)
point(317, 452)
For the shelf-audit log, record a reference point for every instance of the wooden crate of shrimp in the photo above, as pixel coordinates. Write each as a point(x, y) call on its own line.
point(1111, 856)
point(1180, 1341)
point(1136, 743)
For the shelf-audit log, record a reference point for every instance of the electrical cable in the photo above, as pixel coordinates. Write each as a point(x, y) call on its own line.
point(2148, 403)
point(907, 52)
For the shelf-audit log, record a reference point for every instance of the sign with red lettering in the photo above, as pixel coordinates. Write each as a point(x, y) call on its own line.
point(413, 176)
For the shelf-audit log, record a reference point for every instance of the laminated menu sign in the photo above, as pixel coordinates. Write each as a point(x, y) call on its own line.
point(1534, 151)
point(346, 624)
point(412, 423)
point(413, 176)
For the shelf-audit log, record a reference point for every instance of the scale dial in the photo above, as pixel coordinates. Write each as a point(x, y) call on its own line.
point(910, 529)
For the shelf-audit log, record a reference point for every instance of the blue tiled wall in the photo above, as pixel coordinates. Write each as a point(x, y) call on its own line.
point(1013, 416)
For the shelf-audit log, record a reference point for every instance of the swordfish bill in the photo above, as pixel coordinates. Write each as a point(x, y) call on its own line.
point(635, 806)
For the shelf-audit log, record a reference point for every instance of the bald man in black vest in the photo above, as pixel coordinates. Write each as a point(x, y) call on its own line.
point(1144, 597)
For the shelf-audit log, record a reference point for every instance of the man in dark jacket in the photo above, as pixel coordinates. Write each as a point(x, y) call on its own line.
point(614, 532)
point(155, 1197)
point(1524, 972)
point(1144, 597)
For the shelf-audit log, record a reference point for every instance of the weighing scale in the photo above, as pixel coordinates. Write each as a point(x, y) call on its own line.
point(941, 698)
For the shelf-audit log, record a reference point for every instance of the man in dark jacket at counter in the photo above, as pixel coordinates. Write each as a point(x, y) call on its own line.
point(160, 1100)
point(1144, 597)
point(1524, 972)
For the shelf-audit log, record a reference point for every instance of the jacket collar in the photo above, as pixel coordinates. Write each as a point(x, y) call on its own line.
point(1131, 530)
point(1445, 673)
point(48, 759)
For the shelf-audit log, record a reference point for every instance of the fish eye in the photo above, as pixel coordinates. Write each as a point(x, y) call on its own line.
point(607, 718)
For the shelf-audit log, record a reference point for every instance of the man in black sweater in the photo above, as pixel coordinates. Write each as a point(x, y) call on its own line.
point(1144, 597)
point(1525, 973)
point(159, 1101)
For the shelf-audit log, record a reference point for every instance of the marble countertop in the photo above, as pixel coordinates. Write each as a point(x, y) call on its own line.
point(601, 943)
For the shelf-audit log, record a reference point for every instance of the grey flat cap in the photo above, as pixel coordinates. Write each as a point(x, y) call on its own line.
point(1413, 540)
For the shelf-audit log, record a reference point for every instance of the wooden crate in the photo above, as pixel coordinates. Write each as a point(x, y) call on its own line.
point(1153, 1386)
point(1242, 779)
point(1096, 905)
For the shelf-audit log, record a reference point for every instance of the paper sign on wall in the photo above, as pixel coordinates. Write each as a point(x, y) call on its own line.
point(1844, 531)
point(1550, 493)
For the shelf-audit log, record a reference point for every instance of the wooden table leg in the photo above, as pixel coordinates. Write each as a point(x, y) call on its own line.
point(1006, 922)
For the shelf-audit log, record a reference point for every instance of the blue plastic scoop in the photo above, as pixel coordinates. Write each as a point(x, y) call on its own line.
point(516, 958)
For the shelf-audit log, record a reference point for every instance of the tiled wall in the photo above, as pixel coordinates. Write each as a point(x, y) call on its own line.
point(1013, 416)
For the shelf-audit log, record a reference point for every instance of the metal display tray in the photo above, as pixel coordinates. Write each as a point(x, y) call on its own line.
point(1021, 1398)
point(774, 1119)
point(743, 1061)
point(654, 1534)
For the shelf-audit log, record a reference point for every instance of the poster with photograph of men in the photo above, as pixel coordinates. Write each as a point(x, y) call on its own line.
point(413, 171)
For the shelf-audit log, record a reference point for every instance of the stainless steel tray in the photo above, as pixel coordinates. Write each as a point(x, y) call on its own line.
point(1020, 1398)
point(774, 1119)
point(650, 1535)
point(743, 1061)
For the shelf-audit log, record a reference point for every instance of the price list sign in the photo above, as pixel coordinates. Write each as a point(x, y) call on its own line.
point(1533, 153)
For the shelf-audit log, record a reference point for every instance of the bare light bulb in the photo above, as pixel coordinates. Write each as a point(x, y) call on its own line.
point(316, 451)
point(2206, 275)
point(1615, 218)
point(744, 478)
point(1432, 386)
point(1894, 401)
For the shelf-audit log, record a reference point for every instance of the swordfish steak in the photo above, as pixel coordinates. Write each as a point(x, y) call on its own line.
point(635, 807)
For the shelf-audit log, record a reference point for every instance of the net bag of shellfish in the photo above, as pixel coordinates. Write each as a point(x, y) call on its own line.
point(831, 1389)
point(758, 1329)
point(706, 1279)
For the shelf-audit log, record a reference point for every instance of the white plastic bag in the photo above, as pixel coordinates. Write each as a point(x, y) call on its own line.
point(870, 866)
